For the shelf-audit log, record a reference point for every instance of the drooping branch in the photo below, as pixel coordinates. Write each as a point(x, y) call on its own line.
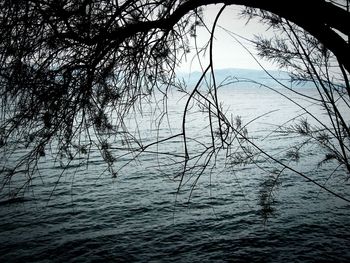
point(66, 69)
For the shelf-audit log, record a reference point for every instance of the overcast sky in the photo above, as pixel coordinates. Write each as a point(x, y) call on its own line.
point(228, 53)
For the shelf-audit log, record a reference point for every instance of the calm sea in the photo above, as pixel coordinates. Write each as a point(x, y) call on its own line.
point(138, 216)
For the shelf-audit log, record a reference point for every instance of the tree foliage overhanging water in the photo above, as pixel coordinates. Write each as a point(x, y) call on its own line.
point(71, 72)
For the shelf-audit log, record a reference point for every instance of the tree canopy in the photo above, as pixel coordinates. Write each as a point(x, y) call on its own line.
point(65, 66)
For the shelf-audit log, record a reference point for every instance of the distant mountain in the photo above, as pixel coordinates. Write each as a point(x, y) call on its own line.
point(239, 77)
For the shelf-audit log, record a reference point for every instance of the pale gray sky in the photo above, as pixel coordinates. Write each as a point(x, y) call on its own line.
point(227, 52)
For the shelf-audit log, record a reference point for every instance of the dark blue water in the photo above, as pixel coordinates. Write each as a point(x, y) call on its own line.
point(138, 216)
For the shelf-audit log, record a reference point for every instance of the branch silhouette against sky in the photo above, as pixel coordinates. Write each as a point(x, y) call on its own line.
point(72, 72)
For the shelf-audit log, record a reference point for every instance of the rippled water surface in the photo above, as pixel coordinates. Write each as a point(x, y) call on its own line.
point(139, 216)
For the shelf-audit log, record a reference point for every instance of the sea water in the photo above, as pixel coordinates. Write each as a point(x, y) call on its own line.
point(139, 215)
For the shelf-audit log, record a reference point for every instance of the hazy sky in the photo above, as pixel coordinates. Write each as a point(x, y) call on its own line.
point(228, 53)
